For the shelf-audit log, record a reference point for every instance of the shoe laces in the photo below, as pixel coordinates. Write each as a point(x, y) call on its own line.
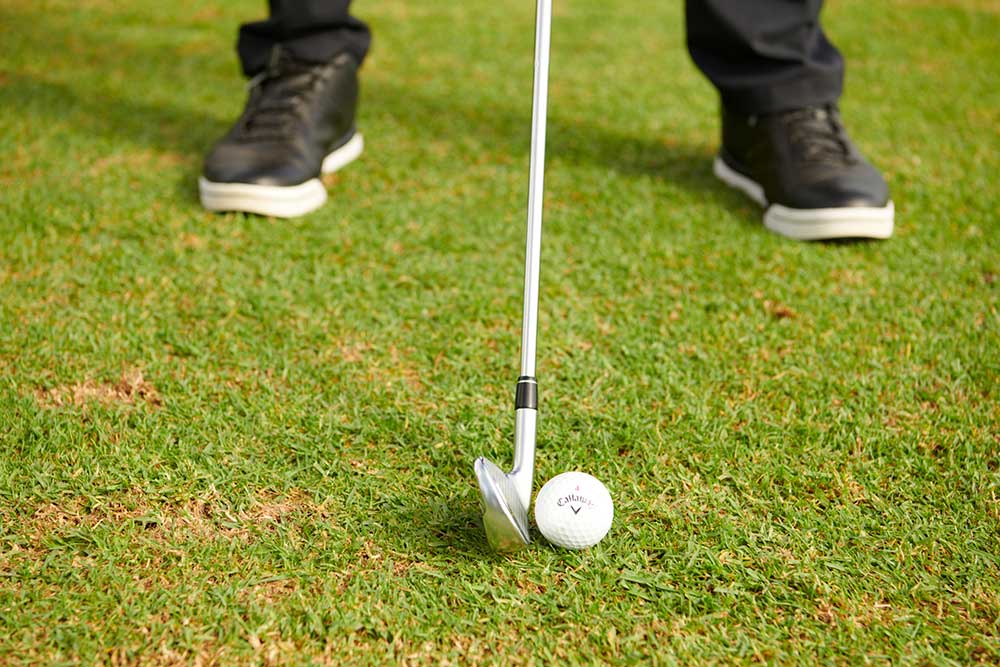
point(819, 135)
point(276, 96)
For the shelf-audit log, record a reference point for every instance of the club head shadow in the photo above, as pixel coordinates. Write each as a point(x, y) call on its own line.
point(505, 517)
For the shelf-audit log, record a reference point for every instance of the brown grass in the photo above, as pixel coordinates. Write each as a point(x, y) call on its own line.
point(131, 388)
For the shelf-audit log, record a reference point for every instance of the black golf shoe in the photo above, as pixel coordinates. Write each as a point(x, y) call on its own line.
point(298, 124)
point(803, 168)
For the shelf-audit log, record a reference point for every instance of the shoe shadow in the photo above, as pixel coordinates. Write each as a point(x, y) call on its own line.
point(98, 88)
point(688, 166)
point(164, 128)
point(188, 133)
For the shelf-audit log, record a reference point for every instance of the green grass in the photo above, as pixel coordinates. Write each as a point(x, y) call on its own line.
point(230, 440)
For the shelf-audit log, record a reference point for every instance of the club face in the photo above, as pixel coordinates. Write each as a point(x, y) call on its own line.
point(504, 516)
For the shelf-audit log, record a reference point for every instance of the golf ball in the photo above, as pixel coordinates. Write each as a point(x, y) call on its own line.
point(574, 510)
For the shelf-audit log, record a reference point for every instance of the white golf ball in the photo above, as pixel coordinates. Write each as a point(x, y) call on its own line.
point(574, 510)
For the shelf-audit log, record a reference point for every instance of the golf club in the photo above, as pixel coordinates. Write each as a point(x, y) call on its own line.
point(506, 497)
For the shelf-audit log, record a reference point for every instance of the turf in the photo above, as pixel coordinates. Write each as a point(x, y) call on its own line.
point(229, 440)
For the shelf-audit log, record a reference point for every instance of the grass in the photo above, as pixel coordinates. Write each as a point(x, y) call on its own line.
point(231, 440)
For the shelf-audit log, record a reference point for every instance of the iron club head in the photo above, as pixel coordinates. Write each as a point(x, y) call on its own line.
point(505, 517)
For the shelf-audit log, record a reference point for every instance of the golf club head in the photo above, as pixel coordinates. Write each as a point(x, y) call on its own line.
point(505, 517)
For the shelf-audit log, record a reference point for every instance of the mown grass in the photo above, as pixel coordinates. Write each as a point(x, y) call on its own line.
point(232, 440)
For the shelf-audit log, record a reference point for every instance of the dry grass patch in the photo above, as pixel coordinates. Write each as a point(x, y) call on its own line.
point(206, 517)
point(131, 388)
point(211, 516)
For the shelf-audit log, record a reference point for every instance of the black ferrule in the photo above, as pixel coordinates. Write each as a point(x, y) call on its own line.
point(527, 393)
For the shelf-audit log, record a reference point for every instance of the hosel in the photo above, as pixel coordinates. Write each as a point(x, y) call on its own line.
point(526, 410)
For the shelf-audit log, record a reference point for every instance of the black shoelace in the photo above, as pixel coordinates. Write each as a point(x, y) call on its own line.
point(819, 134)
point(276, 95)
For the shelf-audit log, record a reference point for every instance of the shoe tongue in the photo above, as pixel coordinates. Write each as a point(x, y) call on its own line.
point(820, 134)
point(284, 78)
point(277, 58)
point(282, 63)
point(811, 114)
point(273, 100)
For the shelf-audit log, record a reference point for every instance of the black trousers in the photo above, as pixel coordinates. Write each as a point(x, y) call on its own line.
point(762, 55)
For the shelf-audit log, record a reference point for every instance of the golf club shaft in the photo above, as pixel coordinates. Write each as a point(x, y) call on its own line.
point(543, 22)
point(526, 402)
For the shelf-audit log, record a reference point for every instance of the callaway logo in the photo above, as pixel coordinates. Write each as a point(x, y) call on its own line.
point(575, 501)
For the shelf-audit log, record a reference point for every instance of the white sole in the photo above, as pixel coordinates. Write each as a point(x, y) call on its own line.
point(276, 200)
point(344, 155)
point(812, 224)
